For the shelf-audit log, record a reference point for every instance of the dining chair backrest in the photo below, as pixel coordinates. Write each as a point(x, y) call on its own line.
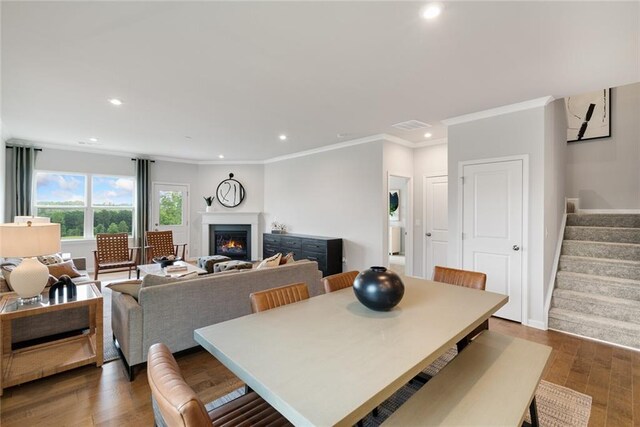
point(466, 278)
point(176, 401)
point(161, 243)
point(339, 281)
point(276, 297)
point(112, 247)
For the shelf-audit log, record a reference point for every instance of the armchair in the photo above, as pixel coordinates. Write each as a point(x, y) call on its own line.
point(113, 253)
point(160, 243)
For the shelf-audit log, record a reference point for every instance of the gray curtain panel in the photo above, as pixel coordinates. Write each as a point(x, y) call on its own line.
point(142, 205)
point(19, 181)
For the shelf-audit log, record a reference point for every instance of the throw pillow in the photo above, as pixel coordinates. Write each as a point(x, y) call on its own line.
point(232, 265)
point(129, 287)
point(287, 259)
point(61, 268)
point(273, 261)
point(6, 273)
point(51, 259)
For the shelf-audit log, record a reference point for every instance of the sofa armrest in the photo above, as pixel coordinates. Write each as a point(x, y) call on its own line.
point(126, 322)
point(80, 263)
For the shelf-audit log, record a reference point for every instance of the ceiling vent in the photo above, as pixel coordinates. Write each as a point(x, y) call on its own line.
point(410, 125)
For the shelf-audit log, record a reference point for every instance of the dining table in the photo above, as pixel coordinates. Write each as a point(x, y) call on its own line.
point(329, 360)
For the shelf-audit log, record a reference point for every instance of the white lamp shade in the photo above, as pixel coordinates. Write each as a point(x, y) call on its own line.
point(23, 240)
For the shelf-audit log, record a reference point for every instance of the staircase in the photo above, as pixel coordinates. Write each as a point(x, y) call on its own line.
point(597, 293)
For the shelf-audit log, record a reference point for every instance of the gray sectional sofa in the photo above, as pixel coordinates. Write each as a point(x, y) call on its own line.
point(169, 313)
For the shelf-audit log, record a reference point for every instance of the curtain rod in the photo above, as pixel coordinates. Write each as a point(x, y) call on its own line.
point(12, 146)
point(151, 161)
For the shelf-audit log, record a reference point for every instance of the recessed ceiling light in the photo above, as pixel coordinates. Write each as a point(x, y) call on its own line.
point(283, 137)
point(115, 101)
point(431, 11)
point(428, 135)
point(93, 139)
point(221, 156)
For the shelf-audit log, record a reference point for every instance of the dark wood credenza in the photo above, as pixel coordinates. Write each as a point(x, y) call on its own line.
point(326, 251)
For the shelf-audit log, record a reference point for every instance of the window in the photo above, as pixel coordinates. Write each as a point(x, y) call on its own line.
point(170, 207)
point(85, 205)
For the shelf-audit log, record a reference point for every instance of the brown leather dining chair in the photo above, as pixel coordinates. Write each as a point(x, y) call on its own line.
point(160, 243)
point(176, 404)
point(113, 253)
point(467, 279)
point(276, 297)
point(339, 281)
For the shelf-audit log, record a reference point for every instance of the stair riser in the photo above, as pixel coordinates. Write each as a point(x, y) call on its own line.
point(619, 337)
point(631, 220)
point(600, 269)
point(615, 235)
point(601, 250)
point(599, 288)
point(598, 308)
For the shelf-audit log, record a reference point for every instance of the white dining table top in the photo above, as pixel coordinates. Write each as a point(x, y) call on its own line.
point(329, 360)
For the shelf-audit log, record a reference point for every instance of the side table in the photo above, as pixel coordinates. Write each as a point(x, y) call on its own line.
point(41, 360)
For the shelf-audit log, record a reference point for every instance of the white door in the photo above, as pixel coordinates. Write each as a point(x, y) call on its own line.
point(436, 223)
point(170, 211)
point(492, 229)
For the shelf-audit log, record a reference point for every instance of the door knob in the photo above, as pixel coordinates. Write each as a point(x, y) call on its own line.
point(428, 234)
point(516, 247)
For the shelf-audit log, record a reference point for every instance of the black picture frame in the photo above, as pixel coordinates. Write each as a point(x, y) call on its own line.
point(577, 122)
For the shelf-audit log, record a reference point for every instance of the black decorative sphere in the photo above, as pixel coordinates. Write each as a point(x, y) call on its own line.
point(378, 288)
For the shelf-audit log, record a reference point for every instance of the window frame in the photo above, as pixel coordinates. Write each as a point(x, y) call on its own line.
point(88, 206)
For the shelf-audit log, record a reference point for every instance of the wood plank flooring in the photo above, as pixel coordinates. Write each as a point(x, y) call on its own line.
point(104, 397)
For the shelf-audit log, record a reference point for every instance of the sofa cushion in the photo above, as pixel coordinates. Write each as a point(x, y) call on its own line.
point(63, 268)
point(232, 265)
point(154, 279)
point(272, 261)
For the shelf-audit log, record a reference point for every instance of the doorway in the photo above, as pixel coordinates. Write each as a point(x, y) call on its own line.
point(494, 198)
point(170, 211)
point(436, 223)
point(400, 230)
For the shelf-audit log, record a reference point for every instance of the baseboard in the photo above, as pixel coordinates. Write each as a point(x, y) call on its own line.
point(554, 271)
point(537, 324)
point(596, 340)
point(609, 211)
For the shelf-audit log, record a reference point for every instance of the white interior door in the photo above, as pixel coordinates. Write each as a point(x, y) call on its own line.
point(170, 211)
point(436, 223)
point(492, 228)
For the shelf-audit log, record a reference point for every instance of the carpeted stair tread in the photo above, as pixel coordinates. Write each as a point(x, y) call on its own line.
point(598, 305)
point(600, 266)
point(602, 234)
point(602, 285)
point(604, 220)
point(602, 328)
point(608, 250)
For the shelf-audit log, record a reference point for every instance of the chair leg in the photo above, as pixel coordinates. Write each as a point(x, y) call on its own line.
point(129, 272)
point(95, 272)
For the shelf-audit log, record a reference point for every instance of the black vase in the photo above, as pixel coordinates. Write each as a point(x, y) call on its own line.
point(378, 288)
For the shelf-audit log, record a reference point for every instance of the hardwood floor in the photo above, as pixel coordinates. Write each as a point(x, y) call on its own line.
point(91, 396)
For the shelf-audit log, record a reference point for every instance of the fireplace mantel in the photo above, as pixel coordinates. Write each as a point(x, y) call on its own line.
point(244, 218)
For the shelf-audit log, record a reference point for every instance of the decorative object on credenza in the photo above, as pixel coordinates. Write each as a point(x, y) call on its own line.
point(28, 241)
point(209, 201)
point(63, 282)
point(378, 288)
point(165, 261)
point(588, 116)
point(394, 205)
point(278, 227)
point(230, 192)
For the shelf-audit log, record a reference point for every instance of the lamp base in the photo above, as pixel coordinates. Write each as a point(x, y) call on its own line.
point(30, 300)
point(29, 279)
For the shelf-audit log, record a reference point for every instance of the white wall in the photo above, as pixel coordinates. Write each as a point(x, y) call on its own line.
point(427, 161)
point(516, 133)
point(604, 173)
point(555, 148)
point(337, 193)
point(206, 182)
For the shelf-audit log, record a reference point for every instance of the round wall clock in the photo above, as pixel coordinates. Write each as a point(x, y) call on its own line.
point(230, 192)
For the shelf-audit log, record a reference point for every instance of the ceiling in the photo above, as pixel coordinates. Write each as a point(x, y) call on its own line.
point(200, 79)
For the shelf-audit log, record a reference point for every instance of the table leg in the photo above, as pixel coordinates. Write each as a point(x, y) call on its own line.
point(5, 347)
point(533, 411)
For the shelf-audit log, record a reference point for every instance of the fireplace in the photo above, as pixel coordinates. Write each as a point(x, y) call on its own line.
point(232, 240)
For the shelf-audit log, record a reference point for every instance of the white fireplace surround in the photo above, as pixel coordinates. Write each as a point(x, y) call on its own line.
point(232, 218)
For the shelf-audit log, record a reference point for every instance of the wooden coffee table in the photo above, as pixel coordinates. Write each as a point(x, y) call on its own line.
point(159, 271)
point(41, 360)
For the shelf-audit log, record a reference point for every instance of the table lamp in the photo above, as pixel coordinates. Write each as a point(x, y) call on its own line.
point(28, 241)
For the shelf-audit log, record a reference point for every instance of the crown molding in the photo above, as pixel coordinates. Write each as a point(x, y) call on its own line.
point(430, 143)
point(498, 111)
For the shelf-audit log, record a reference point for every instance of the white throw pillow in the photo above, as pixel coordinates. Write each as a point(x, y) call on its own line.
point(273, 261)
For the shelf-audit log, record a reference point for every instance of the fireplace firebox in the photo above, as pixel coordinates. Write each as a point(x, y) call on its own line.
point(230, 240)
